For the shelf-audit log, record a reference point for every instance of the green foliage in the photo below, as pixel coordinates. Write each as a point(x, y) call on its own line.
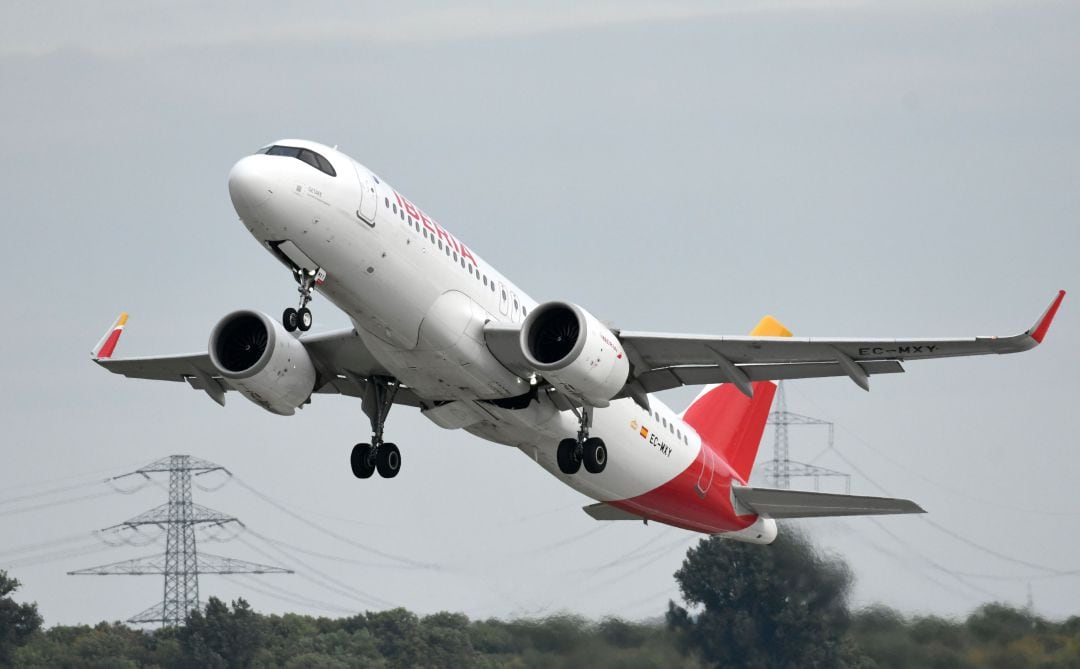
point(222, 638)
point(18, 622)
point(785, 599)
point(775, 606)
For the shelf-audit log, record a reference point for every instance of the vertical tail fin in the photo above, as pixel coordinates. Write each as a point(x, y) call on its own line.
point(731, 423)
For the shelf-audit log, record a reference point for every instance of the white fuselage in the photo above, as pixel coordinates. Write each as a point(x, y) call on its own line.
point(419, 299)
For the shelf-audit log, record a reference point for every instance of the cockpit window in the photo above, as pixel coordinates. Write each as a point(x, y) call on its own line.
point(307, 155)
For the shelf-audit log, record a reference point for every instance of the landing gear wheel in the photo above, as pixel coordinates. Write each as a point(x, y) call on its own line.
point(594, 456)
point(388, 461)
point(304, 319)
point(568, 457)
point(363, 465)
point(290, 319)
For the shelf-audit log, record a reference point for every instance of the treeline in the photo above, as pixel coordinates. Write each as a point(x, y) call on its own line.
point(782, 606)
point(994, 636)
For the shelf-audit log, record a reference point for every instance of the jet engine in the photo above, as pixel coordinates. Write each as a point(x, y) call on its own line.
point(263, 362)
point(575, 352)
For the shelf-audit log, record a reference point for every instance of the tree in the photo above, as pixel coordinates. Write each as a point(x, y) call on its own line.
point(222, 638)
point(776, 606)
point(18, 622)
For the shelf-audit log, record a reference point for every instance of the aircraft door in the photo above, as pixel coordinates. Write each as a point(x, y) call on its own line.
point(504, 300)
point(515, 308)
point(369, 198)
point(708, 468)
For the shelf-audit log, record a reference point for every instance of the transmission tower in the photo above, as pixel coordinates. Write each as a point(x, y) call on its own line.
point(780, 470)
point(181, 563)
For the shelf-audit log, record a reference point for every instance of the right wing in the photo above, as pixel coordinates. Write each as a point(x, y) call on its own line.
point(342, 361)
point(663, 361)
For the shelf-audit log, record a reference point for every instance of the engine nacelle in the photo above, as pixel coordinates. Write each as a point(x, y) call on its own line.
point(575, 352)
point(262, 361)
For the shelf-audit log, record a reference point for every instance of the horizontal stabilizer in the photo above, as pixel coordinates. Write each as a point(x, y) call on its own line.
point(773, 503)
point(602, 511)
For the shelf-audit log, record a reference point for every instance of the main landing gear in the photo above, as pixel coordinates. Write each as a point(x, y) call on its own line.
point(378, 456)
point(301, 319)
point(590, 451)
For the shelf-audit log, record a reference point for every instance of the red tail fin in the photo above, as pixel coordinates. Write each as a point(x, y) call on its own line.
point(730, 422)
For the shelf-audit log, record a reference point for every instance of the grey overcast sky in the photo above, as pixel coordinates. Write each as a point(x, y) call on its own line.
point(874, 169)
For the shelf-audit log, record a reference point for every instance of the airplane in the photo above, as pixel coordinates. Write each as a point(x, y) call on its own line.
point(435, 327)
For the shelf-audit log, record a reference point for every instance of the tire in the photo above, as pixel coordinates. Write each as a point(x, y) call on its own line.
point(362, 463)
point(304, 319)
point(567, 457)
point(388, 461)
point(290, 319)
point(595, 455)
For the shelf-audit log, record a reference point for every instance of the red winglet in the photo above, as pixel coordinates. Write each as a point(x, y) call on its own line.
point(1039, 331)
point(107, 344)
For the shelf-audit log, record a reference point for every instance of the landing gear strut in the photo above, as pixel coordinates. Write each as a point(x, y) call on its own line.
point(590, 451)
point(379, 456)
point(301, 319)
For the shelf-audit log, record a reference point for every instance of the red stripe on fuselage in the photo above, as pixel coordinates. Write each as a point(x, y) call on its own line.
point(698, 499)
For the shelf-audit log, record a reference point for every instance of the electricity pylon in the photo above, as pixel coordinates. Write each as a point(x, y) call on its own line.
point(782, 468)
point(181, 563)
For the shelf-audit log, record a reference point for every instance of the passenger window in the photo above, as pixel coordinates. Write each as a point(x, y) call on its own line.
point(395, 208)
point(485, 281)
point(440, 245)
point(447, 250)
point(455, 258)
point(386, 202)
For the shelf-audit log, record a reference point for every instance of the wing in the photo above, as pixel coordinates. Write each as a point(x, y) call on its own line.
point(342, 362)
point(662, 361)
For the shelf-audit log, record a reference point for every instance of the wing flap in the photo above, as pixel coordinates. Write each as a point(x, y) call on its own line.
point(673, 377)
point(773, 503)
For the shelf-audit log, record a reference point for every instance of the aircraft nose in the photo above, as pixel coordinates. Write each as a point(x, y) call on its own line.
point(249, 185)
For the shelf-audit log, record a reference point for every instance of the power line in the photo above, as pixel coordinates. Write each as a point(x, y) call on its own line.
point(937, 484)
point(328, 556)
point(954, 535)
point(331, 533)
point(285, 595)
point(47, 505)
point(336, 586)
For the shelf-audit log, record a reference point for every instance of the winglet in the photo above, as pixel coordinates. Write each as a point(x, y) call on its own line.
point(1038, 331)
point(107, 344)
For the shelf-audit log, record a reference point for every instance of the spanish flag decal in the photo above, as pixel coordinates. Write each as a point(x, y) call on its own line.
point(644, 432)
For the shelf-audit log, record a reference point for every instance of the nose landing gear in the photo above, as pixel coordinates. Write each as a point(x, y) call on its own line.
point(379, 456)
point(584, 450)
point(301, 319)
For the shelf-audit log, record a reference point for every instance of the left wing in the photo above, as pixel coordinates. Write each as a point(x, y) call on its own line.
point(662, 361)
point(341, 360)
